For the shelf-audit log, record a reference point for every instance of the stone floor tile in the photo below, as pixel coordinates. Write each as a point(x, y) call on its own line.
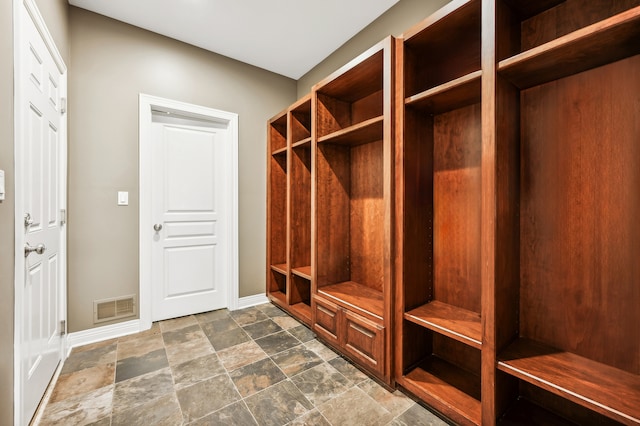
point(302, 333)
point(153, 331)
point(82, 409)
point(248, 316)
point(278, 404)
point(205, 397)
point(182, 335)
point(183, 352)
point(348, 370)
point(95, 345)
point(271, 310)
point(322, 350)
point(141, 346)
point(321, 383)
point(241, 355)
point(354, 407)
point(277, 342)
point(142, 389)
point(227, 339)
point(82, 381)
point(196, 370)
point(262, 328)
point(138, 365)
point(417, 415)
point(164, 411)
point(236, 414)
point(211, 328)
point(312, 418)
point(394, 402)
point(255, 377)
point(177, 323)
point(286, 322)
point(295, 360)
point(90, 358)
point(212, 316)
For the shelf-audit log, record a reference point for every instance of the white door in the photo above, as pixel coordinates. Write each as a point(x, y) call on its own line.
point(40, 170)
point(190, 230)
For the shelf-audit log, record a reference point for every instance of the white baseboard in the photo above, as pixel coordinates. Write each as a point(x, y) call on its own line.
point(106, 332)
point(256, 299)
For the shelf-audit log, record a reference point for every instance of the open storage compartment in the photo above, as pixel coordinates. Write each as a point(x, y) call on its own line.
point(353, 205)
point(568, 98)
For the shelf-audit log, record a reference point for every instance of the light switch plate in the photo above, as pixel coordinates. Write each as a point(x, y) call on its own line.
point(1, 185)
point(123, 198)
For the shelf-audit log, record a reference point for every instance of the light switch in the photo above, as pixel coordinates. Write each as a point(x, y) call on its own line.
point(123, 198)
point(1, 185)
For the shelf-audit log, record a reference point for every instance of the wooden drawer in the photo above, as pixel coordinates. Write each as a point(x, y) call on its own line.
point(364, 341)
point(327, 320)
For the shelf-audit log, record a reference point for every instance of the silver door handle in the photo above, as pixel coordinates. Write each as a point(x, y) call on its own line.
point(28, 249)
point(157, 227)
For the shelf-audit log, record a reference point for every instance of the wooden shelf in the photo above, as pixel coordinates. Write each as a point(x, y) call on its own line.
point(447, 388)
point(302, 271)
point(355, 296)
point(595, 45)
point(601, 388)
point(456, 323)
point(454, 94)
point(305, 143)
point(279, 151)
point(302, 311)
point(279, 298)
point(358, 134)
point(527, 8)
point(280, 268)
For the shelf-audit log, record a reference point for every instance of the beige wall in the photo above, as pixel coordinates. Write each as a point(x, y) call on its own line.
point(395, 21)
point(6, 213)
point(111, 64)
point(56, 15)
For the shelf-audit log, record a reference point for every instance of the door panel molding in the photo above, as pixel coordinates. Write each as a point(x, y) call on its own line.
point(209, 117)
point(54, 87)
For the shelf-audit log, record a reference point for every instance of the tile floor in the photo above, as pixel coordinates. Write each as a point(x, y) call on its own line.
point(256, 366)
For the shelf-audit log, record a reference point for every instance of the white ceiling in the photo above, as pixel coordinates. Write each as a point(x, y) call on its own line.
point(288, 37)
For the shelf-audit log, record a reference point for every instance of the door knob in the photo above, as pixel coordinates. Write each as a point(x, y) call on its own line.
point(157, 227)
point(28, 249)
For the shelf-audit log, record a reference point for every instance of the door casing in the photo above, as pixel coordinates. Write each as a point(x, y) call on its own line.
point(21, 8)
point(147, 104)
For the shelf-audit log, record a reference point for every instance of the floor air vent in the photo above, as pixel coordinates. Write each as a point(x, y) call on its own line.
point(111, 309)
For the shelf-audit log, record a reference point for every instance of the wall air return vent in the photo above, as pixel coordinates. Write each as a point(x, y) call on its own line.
point(114, 308)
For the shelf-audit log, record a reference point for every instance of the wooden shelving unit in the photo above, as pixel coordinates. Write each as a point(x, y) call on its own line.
point(353, 184)
point(566, 156)
point(473, 219)
point(289, 200)
point(438, 319)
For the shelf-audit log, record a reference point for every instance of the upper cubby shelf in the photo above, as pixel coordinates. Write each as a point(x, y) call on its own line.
point(301, 121)
point(278, 133)
point(574, 49)
point(352, 99)
point(443, 51)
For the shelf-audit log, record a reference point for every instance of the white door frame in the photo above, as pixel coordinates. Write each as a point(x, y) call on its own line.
point(148, 104)
point(21, 7)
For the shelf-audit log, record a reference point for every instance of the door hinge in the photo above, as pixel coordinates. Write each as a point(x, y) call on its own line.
point(63, 216)
point(63, 327)
point(63, 105)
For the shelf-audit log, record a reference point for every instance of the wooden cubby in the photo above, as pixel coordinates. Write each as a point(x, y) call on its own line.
point(289, 201)
point(474, 202)
point(353, 189)
point(439, 294)
point(566, 288)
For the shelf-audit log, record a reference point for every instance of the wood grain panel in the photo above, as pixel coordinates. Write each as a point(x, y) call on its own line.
point(367, 215)
point(457, 202)
point(567, 17)
point(278, 208)
point(300, 207)
point(580, 237)
point(332, 207)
